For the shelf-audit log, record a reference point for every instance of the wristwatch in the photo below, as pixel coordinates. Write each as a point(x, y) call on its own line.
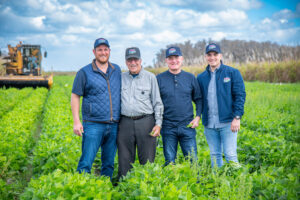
point(237, 117)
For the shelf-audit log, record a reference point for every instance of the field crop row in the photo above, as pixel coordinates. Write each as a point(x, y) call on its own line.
point(58, 147)
point(17, 130)
point(11, 97)
point(268, 149)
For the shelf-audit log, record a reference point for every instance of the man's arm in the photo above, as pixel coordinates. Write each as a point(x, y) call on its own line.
point(197, 99)
point(75, 104)
point(238, 99)
point(157, 106)
point(77, 91)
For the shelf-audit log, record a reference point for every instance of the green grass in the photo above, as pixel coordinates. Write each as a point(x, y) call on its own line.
point(268, 149)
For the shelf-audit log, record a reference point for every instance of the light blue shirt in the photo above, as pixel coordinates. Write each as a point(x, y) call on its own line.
point(213, 112)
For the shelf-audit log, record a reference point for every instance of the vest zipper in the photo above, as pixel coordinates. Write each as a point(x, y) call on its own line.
point(109, 92)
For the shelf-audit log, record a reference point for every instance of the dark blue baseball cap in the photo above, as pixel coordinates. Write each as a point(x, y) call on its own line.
point(213, 47)
point(173, 51)
point(100, 41)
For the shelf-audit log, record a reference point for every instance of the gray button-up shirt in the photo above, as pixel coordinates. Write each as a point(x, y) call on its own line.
point(213, 112)
point(140, 95)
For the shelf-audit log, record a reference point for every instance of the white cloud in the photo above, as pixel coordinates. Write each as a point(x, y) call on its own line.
point(284, 14)
point(245, 4)
point(167, 36)
point(37, 22)
point(232, 17)
point(172, 2)
point(79, 29)
point(136, 18)
point(283, 21)
point(70, 39)
point(136, 36)
point(266, 21)
point(218, 36)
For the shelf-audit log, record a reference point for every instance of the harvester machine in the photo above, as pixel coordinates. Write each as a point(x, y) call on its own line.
point(23, 67)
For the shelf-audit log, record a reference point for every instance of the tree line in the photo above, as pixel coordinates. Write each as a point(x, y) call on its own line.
point(234, 51)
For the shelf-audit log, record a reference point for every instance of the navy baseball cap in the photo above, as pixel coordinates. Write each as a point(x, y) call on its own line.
point(100, 41)
point(173, 51)
point(132, 52)
point(213, 47)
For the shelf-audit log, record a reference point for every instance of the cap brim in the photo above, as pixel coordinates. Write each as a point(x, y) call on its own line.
point(102, 44)
point(132, 56)
point(173, 55)
point(212, 51)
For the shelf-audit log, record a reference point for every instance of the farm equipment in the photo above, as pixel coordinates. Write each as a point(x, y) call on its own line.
point(23, 67)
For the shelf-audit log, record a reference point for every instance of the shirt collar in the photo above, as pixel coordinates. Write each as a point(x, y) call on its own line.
point(139, 75)
point(95, 68)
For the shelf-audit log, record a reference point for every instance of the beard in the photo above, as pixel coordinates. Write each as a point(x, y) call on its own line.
point(102, 60)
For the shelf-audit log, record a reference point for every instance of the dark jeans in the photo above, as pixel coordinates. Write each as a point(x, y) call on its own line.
point(135, 134)
point(186, 138)
point(98, 135)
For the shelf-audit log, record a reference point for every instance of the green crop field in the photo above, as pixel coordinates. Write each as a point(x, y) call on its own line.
point(39, 152)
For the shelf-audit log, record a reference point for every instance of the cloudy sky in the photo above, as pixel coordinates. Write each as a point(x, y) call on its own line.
point(67, 28)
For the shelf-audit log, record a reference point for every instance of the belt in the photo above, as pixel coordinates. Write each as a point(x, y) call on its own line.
point(137, 117)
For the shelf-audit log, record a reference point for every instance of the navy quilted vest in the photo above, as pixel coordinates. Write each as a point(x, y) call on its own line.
point(101, 99)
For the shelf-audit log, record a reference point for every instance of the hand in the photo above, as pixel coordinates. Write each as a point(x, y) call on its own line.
point(235, 125)
point(78, 128)
point(156, 131)
point(195, 122)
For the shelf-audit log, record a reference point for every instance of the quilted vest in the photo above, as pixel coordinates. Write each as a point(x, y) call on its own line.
point(102, 94)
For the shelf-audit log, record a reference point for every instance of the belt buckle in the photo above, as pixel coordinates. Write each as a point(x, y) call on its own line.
point(137, 117)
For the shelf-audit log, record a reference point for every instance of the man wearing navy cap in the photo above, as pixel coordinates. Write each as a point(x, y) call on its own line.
point(178, 89)
point(99, 83)
point(224, 96)
point(141, 114)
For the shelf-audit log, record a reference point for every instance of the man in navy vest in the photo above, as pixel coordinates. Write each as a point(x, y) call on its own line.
point(224, 96)
point(99, 83)
point(178, 89)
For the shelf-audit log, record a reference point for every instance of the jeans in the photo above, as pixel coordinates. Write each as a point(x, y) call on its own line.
point(186, 138)
point(98, 135)
point(218, 138)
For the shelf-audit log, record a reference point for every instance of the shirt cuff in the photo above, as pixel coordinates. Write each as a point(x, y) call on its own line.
point(158, 122)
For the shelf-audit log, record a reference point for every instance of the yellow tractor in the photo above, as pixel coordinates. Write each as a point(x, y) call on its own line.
point(23, 67)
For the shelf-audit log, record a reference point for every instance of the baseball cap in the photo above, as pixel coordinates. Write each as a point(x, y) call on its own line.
point(132, 52)
point(173, 51)
point(213, 47)
point(100, 41)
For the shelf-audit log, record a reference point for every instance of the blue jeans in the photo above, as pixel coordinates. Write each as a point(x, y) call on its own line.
point(218, 138)
point(94, 136)
point(186, 138)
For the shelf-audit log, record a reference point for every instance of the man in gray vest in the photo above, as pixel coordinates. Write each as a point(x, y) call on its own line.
point(141, 113)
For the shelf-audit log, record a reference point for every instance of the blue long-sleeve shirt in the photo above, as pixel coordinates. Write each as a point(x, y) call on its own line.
point(178, 91)
point(213, 110)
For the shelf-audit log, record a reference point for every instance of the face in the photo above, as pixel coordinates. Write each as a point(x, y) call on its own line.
point(134, 65)
point(213, 59)
point(102, 53)
point(174, 62)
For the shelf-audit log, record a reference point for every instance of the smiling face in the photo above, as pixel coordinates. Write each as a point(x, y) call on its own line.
point(102, 53)
point(134, 65)
point(174, 63)
point(213, 59)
